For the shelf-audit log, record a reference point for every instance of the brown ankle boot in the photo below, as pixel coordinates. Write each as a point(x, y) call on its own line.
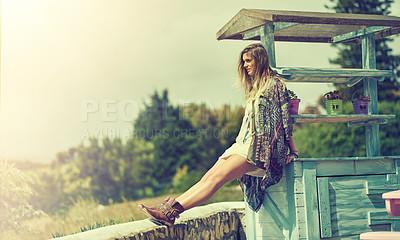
point(166, 212)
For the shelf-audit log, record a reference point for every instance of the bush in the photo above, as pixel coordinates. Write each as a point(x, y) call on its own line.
point(14, 192)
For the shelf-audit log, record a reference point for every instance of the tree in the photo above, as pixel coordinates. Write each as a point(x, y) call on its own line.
point(14, 192)
point(173, 137)
point(192, 135)
point(216, 129)
point(155, 116)
point(88, 158)
point(107, 183)
point(139, 167)
point(350, 54)
point(389, 133)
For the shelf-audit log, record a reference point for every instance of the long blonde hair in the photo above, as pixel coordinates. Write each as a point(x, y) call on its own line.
point(254, 85)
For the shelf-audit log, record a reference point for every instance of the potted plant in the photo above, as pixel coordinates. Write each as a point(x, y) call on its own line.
point(334, 102)
point(293, 103)
point(360, 105)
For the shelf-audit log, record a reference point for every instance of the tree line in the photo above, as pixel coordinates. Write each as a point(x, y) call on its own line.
point(168, 144)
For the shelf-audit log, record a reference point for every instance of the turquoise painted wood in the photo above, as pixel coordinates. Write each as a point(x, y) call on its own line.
point(276, 214)
point(273, 220)
point(328, 198)
point(370, 89)
point(358, 33)
point(291, 199)
point(367, 122)
point(397, 168)
point(381, 217)
point(267, 40)
point(350, 204)
point(284, 25)
point(251, 34)
point(310, 199)
point(395, 225)
point(250, 221)
point(324, 208)
point(286, 71)
point(354, 80)
point(354, 119)
point(347, 76)
point(394, 158)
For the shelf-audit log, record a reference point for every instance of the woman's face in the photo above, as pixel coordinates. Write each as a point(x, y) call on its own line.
point(249, 64)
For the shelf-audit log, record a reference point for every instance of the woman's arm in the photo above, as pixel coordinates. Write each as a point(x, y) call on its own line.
point(292, 145)
point(293, 151)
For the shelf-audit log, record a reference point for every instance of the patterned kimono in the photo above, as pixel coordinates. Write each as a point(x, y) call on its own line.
point(269, 147)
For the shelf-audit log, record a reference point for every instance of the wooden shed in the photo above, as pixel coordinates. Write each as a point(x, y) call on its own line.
point(325, 198)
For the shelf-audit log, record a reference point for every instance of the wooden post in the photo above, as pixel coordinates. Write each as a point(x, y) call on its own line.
point(251, 222)
point(310, 200)
point(325, 222)
point(268, 41)
point(371, 89)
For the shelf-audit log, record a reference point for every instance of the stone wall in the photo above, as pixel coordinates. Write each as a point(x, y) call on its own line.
point(225, 220)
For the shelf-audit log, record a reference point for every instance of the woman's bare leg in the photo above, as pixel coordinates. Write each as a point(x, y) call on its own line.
point(222, 172)
point(198, 184)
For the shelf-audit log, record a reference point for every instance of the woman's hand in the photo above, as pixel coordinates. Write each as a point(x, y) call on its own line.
point(291, 156)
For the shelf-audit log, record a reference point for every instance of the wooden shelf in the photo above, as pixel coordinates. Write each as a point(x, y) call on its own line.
point(377, 158)
point(348, 76)
point(352, 120)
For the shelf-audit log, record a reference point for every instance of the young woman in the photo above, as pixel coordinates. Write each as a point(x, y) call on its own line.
point(261, 148)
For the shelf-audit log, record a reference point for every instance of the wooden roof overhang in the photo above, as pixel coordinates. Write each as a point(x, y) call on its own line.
point(295, 26)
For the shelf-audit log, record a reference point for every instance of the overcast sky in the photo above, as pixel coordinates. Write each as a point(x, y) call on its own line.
point(73, 69)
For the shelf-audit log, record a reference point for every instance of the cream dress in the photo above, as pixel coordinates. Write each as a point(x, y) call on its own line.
point(243, 140)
